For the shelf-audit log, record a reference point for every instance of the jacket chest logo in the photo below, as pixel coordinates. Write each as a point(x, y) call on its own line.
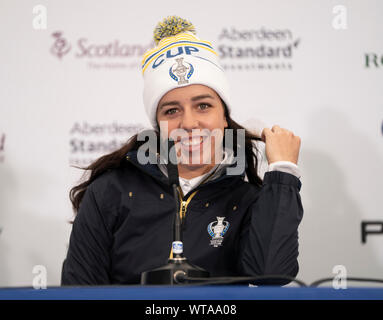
point(217, 230)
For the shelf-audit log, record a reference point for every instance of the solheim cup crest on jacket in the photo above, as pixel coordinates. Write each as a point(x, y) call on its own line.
point(217, 230)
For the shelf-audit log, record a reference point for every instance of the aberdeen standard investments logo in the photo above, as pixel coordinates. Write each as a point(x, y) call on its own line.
point(261, 49)
point(88, 141)
point(113, 54)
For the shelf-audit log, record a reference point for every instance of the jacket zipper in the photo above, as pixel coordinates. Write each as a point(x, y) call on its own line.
point(184, 204)
point(183, 207)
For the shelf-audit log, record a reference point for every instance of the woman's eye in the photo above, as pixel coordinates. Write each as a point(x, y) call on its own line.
point(170, 111)
point(204, 106)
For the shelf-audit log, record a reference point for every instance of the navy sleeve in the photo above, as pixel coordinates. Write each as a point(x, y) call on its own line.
point(269, 237)
point(88, 261)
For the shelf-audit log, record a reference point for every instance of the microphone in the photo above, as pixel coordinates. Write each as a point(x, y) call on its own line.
point(177, 268)
point(171, 166)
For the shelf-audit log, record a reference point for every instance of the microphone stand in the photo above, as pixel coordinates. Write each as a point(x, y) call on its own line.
point(177, 268)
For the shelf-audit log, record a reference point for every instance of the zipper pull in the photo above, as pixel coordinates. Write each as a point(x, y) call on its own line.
point(183, 206)
point(183, 210)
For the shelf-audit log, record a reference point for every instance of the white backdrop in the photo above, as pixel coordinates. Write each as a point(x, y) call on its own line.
point(72, 92)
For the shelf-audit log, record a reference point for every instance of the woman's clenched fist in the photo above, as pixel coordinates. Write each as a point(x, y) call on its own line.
point(281, 145)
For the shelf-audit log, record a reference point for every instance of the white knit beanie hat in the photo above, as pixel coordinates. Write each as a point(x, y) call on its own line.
point(180, 59)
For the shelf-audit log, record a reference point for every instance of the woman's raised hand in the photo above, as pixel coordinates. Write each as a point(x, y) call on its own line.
point(281, 145)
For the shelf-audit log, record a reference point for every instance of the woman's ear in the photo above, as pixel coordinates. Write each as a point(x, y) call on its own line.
point(226, 125)
point(225, 114)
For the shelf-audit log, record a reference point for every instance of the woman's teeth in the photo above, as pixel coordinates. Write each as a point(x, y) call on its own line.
point(192, 142)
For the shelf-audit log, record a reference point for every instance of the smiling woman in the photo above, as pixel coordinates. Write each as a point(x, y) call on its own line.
point(234, 224)
point(199, 111)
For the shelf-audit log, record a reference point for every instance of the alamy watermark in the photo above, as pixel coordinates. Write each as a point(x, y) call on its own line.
point(39, 281)
point(39, 21)
point(340, 279)
point(198, 147)
point(339, 20)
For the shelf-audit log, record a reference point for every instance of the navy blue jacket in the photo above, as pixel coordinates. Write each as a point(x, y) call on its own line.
point(124, 226)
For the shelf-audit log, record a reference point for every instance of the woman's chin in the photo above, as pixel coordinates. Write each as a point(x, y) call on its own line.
point(193, 166)
point(193, 170)
point(196, 160)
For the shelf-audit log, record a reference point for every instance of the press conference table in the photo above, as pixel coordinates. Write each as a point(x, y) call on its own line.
point(191, 293)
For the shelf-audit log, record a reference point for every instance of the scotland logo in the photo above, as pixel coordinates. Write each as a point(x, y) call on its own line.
point(217, 230)
point(61, 45)
point(180, 73)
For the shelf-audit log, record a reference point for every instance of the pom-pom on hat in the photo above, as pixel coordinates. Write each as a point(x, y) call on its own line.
point(179, 59)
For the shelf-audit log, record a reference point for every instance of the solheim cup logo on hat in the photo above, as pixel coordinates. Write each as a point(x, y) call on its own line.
point(217, 230)
point(181, 71)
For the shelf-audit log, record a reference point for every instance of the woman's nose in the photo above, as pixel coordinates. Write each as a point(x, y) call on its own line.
point(189, 121)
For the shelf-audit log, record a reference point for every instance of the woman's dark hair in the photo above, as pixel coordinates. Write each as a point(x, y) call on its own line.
point(117, 159)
